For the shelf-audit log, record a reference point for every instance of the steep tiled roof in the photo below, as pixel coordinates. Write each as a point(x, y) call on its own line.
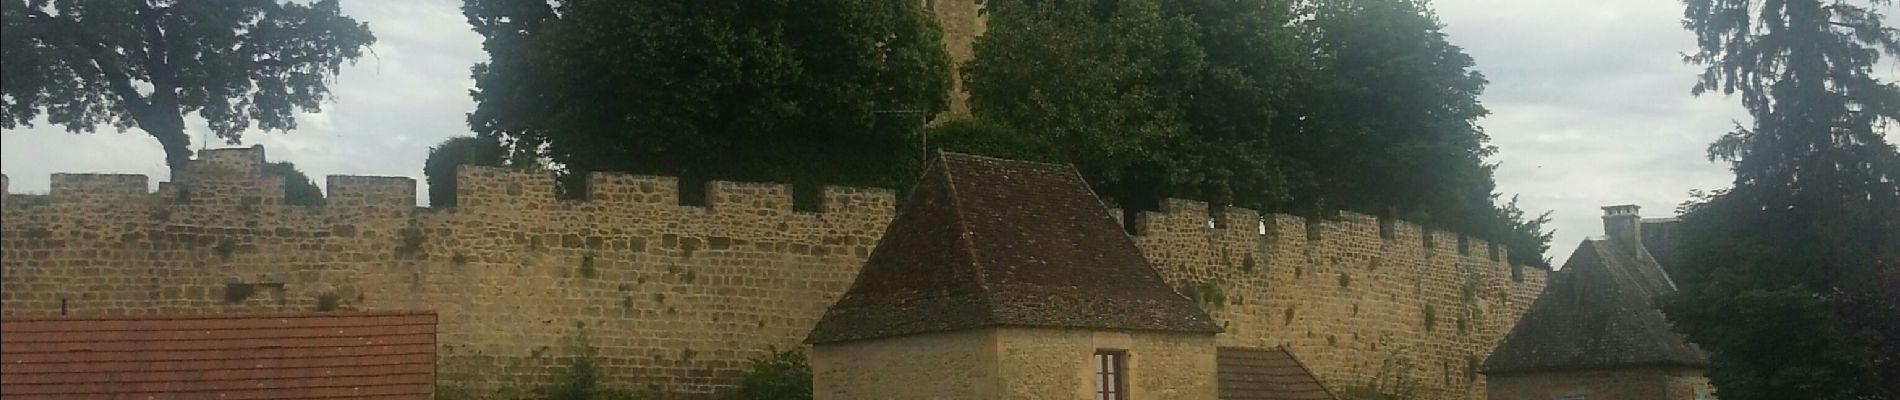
point(991, 242)
point(1597, 312)
point(245, 356)
point(1267, 374)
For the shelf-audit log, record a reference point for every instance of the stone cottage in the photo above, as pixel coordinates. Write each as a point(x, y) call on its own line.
point(1007, 279)
point(1595, 333)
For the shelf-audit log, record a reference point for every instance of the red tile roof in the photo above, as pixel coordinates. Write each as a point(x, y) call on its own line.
point(1266, 374)
point(228, 356)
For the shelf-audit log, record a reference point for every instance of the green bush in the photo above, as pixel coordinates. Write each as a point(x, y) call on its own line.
point(779, 375)
point(328, 302)
point(581, 381)
point(985, 138)
point(299, 190)
point(1393, 381)
point(439, 168)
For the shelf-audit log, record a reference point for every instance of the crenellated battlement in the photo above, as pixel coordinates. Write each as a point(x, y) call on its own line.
point(678, 297)
point(235, 178)
point(1180, 216)
point(1347, 293)
point(500, 188)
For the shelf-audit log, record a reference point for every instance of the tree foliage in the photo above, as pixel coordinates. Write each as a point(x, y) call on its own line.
point(1307, 107)
point(778, 375)
point(147, 64)
point(299, 190)
point(801, 91)
point(1789, 275)
point(1127, 92)
point(439, 169)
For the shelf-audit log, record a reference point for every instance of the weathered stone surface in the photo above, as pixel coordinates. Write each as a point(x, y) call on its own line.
point(1349, 300)
point(514, 278)
point(948, 365)
point(512, 293)
point(1665, 383)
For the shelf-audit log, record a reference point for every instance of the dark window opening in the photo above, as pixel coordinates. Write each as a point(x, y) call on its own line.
point(1111, 375)
point(1427, 234)
point(1464, 245)
point(1385, 229)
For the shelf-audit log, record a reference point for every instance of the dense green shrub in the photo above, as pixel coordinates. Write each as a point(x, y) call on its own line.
point(779, 375)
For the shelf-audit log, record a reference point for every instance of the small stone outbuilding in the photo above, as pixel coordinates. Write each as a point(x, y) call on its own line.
point(1596, 333)
point(1007, 279)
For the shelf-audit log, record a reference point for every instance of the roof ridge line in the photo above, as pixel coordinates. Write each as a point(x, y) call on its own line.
point(1129, 241)
point(980, 156)
point(964, 232)
point(1309, 371)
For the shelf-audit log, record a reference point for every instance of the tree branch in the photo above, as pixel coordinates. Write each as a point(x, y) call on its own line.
point(157, 63)
point(104, 64)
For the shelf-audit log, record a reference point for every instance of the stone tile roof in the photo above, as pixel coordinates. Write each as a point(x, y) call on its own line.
point(1597, 312)
point(1267, 374)
point(242, 356)
point(991, 242)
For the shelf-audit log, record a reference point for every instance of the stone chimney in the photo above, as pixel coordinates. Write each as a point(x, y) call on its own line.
point(1624, 226)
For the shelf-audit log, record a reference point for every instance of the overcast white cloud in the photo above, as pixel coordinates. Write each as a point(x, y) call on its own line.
point(1589, 102)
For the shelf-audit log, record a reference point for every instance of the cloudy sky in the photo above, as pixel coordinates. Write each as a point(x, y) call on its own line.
point(1589, 103)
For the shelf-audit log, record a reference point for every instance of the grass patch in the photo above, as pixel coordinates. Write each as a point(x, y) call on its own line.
point(587, 266)
point(409, 241)
point(237, 293)
point(327, 302)
point(225, 248)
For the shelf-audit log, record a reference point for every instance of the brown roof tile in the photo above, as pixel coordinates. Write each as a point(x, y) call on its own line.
point(1266, 374)
point(991, 242)
point(1597, 312)
point(225, 356)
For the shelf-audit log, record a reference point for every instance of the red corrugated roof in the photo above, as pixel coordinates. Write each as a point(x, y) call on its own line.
point(1267, 374)
point(380, 355)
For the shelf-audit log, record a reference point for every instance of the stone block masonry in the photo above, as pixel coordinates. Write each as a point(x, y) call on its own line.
point(677, 298)
point(1357, 298)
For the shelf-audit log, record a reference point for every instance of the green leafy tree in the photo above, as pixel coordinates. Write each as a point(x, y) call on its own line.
point(299, 190)
point(809, 91)
point(1308, 107)
point(439, 168)
point(147, 64)
point(1389, 126)
point(1106, 84)
point(1787, 277)
point(982, 137)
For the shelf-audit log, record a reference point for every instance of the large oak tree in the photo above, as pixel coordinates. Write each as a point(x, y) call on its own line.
point(146, 64)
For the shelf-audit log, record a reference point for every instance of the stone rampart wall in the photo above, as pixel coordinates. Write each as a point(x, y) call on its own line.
point(677, 298)
point(1357, 298)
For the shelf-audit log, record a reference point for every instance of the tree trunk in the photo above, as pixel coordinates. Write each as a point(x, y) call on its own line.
point(169, 129)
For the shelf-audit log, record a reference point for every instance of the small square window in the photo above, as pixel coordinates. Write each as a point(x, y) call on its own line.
point(1111, 375)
